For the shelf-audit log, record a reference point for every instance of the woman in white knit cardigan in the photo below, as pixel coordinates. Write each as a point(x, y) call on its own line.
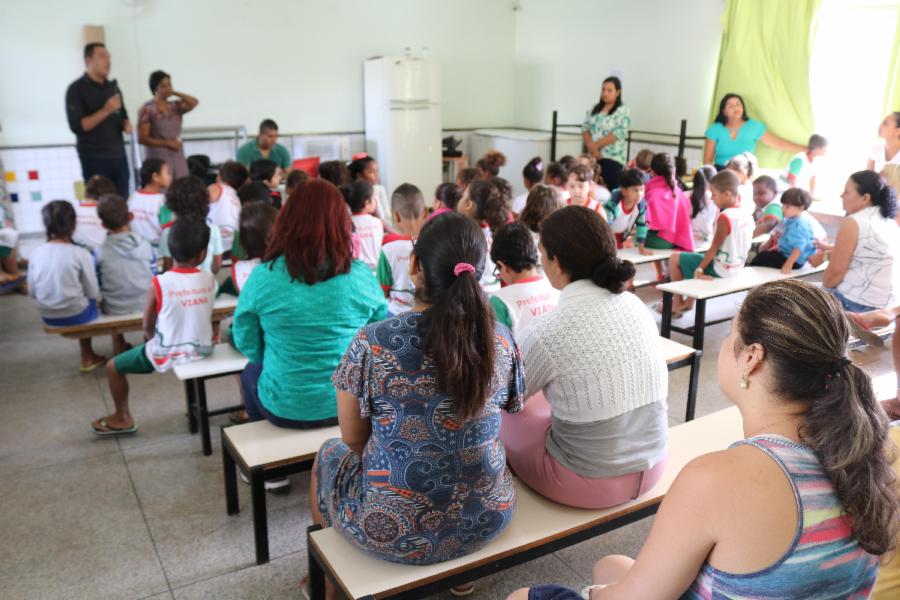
point(594, 432)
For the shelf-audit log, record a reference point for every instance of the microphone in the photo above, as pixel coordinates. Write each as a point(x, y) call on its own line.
point(115, 84)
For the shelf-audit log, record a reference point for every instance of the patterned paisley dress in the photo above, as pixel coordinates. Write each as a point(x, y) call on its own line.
point(429, 487)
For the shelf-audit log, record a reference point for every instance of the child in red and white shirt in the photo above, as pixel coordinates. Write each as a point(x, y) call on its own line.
point(527, 295)
point(177, 322)
point(224, 204)
point(146, 203)
point(360, 197)
point(579, 183)
point(408, 216)
point(89, 230)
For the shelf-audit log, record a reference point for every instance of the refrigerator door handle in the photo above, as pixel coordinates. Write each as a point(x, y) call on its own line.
point(410, 107)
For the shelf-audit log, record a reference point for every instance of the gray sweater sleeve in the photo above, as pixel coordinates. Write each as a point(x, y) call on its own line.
point(88, 275)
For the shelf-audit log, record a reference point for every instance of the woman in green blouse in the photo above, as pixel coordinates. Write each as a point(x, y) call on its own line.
point(605, 129)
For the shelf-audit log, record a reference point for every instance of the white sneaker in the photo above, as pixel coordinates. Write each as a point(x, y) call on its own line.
point(271, 485)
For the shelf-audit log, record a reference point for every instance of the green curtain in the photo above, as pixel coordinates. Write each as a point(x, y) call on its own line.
point(764, 57)
point(892, 94)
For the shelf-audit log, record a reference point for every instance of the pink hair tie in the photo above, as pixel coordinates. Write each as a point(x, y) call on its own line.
point(462, 268)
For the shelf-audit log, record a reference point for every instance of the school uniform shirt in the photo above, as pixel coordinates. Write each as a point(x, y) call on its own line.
point(622, 222)
point(772, 211)
point(62, 279)
point(184, 306)
point(145, 207)
point(240, 271)
point(798, 233)
point(519, 202)
point(745, 140)
point(393, 273)
point(226, 213)
point(590, 203)
point(703, 224)
point(89, 230)
point(519, 304)
point(732, 254)
point(370, 231)
point(489, 282)
point(877, 155)
point(802, 169)
point(213, 249)
point(126, 264)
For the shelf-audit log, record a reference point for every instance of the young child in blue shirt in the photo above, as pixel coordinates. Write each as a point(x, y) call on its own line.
point(796, 243)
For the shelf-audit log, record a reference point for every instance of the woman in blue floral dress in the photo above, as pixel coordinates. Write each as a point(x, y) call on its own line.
point(420, 474)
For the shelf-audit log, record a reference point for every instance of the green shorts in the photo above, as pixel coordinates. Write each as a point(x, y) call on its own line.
point(5, 251)
point(689, 261)
point(133, 361)
point(657, 243)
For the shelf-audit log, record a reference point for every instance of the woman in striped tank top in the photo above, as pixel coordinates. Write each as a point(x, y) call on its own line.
point(803, 506)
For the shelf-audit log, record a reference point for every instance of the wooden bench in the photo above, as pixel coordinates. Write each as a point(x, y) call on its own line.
point(702, 290)
point(224, 360)
point(264, 451)
point(539, 527)
point(114, 325)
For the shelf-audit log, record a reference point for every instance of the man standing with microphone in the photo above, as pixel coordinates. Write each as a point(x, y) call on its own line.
point(97, 117)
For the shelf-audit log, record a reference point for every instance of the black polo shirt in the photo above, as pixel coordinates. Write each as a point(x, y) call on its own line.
point(85, 97)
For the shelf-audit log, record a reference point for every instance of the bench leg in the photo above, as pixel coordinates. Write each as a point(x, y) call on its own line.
point(316, 574)
point(191, 401)
point(203, 414)
point(699, 324)
point(665, 328)
point(260, 523)
point(693, 382)
point(232, 506)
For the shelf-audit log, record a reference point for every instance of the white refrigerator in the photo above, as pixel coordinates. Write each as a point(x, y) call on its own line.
point(403, 121)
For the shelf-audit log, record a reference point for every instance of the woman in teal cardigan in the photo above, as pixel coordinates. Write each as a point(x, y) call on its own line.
point(300, 308)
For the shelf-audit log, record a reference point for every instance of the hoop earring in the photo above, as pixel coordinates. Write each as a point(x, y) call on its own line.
point(744, 383)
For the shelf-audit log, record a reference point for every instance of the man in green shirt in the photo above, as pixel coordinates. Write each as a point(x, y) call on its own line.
point(265, 146)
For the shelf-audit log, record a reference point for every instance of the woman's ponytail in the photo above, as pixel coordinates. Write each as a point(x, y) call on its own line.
point(458, 327)
point(804, 333)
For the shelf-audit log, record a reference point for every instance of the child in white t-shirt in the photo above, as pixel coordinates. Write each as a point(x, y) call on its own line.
point(146, 202)
point(730, 245)
point(257, 220)
point(579, 183)
point(532, 174)
point(408, 212)
point(369, 229)
point(801, 170)
point(89, 230)
point(488, 201)
point(224, 204)
point(704, 211)
point(177, 321)
point(527, 295)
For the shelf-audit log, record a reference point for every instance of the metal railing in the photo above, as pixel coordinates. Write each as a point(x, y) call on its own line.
point(678, 140)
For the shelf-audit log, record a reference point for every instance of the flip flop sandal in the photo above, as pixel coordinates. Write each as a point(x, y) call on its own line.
point(461, 591)
point(93, 366)
point(862, 331)
point(112, 431)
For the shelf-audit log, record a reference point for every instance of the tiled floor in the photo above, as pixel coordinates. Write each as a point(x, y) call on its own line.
point(144, 517)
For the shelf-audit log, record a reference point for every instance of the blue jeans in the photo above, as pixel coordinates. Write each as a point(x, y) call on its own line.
point(257, 412)
point(847, 304)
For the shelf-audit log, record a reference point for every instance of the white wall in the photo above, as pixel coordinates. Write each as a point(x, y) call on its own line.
point(665, 52)
point(297, 61)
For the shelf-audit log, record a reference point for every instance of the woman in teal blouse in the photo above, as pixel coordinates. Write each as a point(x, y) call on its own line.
point(300, 309)
point(734, 132)
point(605, 130)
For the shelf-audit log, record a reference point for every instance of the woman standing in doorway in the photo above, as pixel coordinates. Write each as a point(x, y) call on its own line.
point(605, 129)
point(159, 123)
